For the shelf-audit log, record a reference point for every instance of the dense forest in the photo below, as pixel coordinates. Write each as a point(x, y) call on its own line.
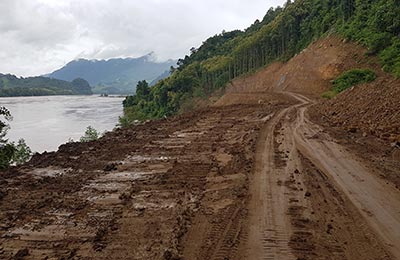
point(282, 33)
point(12, 86)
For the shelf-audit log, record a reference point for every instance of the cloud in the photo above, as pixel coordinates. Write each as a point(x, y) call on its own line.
point(39, 36)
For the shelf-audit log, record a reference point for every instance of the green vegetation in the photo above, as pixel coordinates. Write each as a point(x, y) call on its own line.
point(12, 86)
point(282, 33)
point(22, 152)
point(351, 78)
point(6, 150)
point(91, 134)
point(11, 153)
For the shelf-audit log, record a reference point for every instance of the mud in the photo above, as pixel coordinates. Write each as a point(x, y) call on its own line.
point(138, 193)
point(261, 174)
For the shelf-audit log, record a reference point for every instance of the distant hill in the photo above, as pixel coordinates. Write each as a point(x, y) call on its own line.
point(114, 76)
point(12, 86)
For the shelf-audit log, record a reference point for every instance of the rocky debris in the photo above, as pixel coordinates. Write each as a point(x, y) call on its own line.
point(371, 109)
point(21, 254)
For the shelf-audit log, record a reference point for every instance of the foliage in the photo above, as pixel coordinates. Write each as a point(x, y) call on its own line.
point(12, 86)
point(6, 155)
point(10, 152)
point(282, 33)
point(22, 152)
point(5, 115)
point(352, 78)
point(6, 150)
point(91, 134)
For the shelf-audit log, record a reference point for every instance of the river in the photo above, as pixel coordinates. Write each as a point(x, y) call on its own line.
point(47, 122)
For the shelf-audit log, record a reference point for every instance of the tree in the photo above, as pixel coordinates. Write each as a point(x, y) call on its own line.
point(91, 134)
point(22, 152)
point(11, 153)
point(142, 90)
point(6, 150)
point(5, 115)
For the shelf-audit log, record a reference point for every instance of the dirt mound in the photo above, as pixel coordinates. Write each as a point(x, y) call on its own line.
point(309, 72)
point(372, 109)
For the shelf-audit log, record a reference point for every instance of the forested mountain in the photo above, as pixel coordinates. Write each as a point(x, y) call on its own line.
point(114, 76)
point(12, 86)
point(282, 33)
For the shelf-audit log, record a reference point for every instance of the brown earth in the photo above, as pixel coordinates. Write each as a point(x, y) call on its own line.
point(259, 175)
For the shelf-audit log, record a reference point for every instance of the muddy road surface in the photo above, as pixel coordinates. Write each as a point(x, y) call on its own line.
point(250, 178)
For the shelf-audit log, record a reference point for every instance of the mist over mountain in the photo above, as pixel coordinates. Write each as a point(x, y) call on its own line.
point(115, 76)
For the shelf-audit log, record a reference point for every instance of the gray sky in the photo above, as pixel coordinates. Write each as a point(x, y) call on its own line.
point(39, 36)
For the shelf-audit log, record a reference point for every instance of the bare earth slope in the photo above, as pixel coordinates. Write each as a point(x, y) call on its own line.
point(260, 175)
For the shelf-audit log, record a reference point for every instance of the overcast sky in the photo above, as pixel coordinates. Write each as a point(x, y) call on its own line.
point(39, 36)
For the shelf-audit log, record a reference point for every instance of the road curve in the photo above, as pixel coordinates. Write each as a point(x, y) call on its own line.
point(286, 143)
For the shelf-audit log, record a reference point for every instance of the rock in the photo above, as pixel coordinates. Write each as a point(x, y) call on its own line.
point(308, 194)
point(110, 167)
point(21, 253)
point(352, 130)
point(329, 228)
point(395, 144)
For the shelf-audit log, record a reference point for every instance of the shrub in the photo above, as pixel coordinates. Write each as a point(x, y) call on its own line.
point(352, 78)
point(22, 152)
point(91, 134)
point(6, 154)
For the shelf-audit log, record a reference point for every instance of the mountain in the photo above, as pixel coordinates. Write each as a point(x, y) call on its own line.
point(283, 33)
point(114, 76)
point(11, 86)
point(165, 75)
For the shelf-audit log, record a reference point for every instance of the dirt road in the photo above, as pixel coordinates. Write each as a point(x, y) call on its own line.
point(251, 178)
point(311, 199)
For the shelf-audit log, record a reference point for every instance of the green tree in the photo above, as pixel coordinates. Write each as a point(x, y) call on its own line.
point(6, 150)
point(142, 90)
point(22, 152)
point(91, 134)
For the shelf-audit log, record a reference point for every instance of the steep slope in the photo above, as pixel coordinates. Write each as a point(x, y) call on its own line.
point(309, 72)
point(372, 109)
point(281, 35)
point(114, 75)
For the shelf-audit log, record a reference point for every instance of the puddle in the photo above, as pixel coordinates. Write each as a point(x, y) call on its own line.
point(106, 199)
point(126, 176)
point(110, 187)
point(51, 233)
point(182, 134)
point(140, 158)
point(48, 233)
point(50, 172)
point(152, 205)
